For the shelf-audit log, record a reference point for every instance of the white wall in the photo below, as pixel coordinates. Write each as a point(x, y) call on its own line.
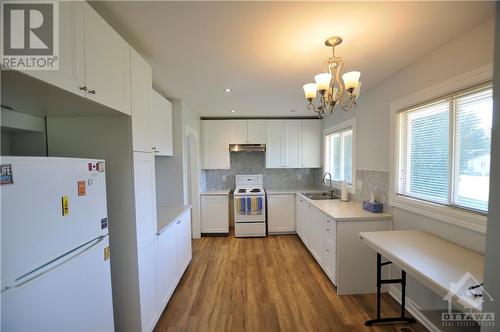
point(465, 53)
point(492, 278)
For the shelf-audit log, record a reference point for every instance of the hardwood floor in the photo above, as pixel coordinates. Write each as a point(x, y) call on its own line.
point(264, 284)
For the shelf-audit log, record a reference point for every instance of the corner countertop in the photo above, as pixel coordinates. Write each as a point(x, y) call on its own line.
point(345, 211)
point(216, 192)
point(168, 213)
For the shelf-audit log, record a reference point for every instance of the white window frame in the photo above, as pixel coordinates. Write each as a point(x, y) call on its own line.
point(469, 220)
point(348, 124)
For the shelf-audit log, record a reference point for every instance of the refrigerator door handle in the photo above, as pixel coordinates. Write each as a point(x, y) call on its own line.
point(60, 261)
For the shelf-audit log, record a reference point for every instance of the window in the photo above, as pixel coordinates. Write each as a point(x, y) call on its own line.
point(444, 150)
point(338, 154)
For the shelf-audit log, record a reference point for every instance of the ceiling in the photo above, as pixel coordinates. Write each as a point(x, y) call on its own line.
point(266, 51)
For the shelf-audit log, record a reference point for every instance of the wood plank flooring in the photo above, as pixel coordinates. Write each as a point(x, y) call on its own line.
point(264, 284)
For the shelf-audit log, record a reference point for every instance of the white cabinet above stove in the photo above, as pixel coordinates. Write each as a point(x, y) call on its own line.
point(247, 131)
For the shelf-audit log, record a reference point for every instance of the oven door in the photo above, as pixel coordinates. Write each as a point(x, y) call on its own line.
point(250, 208)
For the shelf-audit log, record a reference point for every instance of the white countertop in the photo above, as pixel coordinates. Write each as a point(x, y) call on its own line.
point(217, 192)
point(168, 213)
point(292, 191)
point(434, 261)
point(345, 211)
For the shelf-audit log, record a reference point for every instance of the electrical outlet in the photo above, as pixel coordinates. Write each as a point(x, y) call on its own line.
point(299, 176)
point(359, 185)
point(224, 177)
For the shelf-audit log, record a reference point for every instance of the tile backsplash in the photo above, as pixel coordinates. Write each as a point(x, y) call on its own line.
point(255, 163)
point(373, 182)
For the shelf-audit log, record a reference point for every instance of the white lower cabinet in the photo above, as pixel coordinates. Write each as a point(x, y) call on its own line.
point(174, 255)
point(214, 213)
point(147, 283)
point(280, 213)
point(347, 261)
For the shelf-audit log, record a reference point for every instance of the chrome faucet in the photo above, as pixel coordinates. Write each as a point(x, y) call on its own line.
point(330, 189)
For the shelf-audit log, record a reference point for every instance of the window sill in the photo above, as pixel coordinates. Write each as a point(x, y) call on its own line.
point(469, 220)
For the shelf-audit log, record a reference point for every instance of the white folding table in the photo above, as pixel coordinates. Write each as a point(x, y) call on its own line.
point(437, 263)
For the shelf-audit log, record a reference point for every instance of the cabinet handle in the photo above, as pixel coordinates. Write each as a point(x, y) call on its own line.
point(328, 221)
point(92, 91)
point(83, 88)
point(327, 250)
point(328, 229)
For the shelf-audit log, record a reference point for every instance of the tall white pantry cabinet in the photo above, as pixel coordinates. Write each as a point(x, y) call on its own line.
point(97, 64)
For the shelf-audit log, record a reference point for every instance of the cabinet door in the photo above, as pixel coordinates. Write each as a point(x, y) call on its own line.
point(316, 234)
point(161, 126)
point(293, 143)
point(147, 283)
point(141, 84)
point(281, 213)
point(145, 195)
point(256, 132)
point(107, 64)
point(214, 214)
point(238, 132)
point(185, 254)
point(71, 73)
point(311, 143)
point(168, 243)
point(298, 216)
point(215, 144)
point(274, 150)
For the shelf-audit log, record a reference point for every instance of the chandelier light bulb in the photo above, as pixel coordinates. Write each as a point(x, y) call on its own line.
point(323, 81)
point(351, 80)
point(310, 91)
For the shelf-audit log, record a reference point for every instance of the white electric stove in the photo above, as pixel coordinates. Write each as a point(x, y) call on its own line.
point(249, 206)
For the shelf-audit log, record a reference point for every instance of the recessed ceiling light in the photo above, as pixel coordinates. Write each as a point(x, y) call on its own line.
point(233, 111)
point(227, 90)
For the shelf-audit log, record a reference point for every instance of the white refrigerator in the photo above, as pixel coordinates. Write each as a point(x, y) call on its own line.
point(55, 269)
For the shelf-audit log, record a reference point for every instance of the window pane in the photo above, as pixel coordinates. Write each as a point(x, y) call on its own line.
point(348, 156)
point(335, 156)
point(473, 140)
point(426, 166)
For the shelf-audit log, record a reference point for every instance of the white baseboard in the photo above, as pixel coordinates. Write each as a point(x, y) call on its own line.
point(413, 309)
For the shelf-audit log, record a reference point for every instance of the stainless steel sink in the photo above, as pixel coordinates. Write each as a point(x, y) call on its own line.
point(320, 196)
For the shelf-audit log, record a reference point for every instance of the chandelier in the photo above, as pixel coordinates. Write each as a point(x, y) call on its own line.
point(332, 92)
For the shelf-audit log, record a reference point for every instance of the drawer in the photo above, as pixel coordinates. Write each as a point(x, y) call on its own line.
point(249, 229)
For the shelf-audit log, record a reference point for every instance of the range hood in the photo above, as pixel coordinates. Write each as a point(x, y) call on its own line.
point(247, 147)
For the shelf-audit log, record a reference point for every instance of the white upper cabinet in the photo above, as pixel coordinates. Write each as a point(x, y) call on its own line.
point(238, 131)
point(256, 131)
point(141, 80)
point(71, 73)
point(161, 126)
point(215, 144)
point(293, 143)
point(247, 131)
point(107, 64)
point(311, 143)
point(275, 154)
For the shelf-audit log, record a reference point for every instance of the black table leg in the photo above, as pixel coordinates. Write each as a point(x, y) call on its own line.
point(380, 282)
